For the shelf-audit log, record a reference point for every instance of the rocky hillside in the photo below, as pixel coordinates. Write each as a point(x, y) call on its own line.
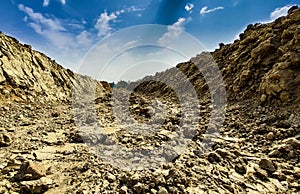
point(265, 62)
point(28, 75)
point(263, 66)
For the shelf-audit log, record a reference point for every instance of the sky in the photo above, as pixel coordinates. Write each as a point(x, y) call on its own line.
point(68, 30)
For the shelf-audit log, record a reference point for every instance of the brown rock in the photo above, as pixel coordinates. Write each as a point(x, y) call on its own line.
point(55, 114)
point(294, 142)
point(214, 157)
point(260, 173)
point(295, 7)
point(270, 136)
point(284, 96)
point(111, 178)
point(138, 188)
point(162, 190)
point(241, 169)
point(263, 97)
point(36, 186)
point(297, 173)
point(294, 185)
point(279, 175)
point(124, 190)
point(267, 165)
point(5, 140)
point(30, 171)
point(274, 153)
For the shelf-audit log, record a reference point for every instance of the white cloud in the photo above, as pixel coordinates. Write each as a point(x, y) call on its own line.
point(204, 10)
point(174, 31)
point(46, 3)
point(133, 9)
point(235, 3)
point(84, 38)
point(68, 40)
point(37, 28)
point(39, 19)
point(189, 7)
point(63, 2)
point(68, 47)
point(281, 11)
point(103, 23)
point(25, 19)
point(119, 12)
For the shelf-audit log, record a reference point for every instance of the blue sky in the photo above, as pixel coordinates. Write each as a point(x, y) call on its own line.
point(66, 29)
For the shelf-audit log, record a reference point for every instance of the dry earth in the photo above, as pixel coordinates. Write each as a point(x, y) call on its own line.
point(255, 150)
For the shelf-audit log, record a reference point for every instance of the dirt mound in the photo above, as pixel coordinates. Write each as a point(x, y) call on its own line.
point(264, 64)
point(261, 67)
point(28, 75)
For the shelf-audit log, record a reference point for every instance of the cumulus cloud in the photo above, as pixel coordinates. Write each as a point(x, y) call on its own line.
point(189, 7)
point(103, 23)
point(281, 11)
point(105, 20)
point(173, 32)
point(205, 10)
point(68, 39)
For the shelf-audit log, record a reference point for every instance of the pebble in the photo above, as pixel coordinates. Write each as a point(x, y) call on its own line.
point(111, 178)
point(241, 169)
point(270, 136)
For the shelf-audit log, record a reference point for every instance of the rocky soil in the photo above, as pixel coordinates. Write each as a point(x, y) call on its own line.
point(255, 150)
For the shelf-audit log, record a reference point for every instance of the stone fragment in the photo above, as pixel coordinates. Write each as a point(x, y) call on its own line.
point(30, 171)
point(270, 136)
point(162, 190)
point(55, 114)
point(5, 140)
point(297, 173)
point(241, 169)
point(214, 157)
point(111, 178)
point(124, 190)
point(260, 173)
point(274, 153)
point(267, 165)
point(138, 188)
point(263, 97)
point(36, 186)
point(279, 175)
